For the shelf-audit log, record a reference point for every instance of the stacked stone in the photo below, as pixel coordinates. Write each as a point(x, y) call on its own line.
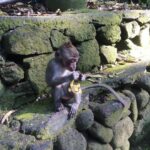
point(135, 31)
point(28, 45)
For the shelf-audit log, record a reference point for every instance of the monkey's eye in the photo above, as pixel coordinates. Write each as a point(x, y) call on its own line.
point(71, 61)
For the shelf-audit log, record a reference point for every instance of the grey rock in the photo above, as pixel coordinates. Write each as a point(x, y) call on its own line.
point(71, 140)
point(11, 73)
point(84, 120)
point(89, 55)
point(101, 133)
point(42, 145)
point(130, 15)
point(93, 145)
point(131, 29)
point(14, 140)
point(144, 18)
point(108, 113)
point(140, 137)
point(126, 145)
point(37, 70)
point(142, 98)
point(144, 36)
point(143, 81)
point(58, 39)
point(109, 34)
point(122, 132)
point(109, 53)
point(45, 126)
point(27, 40)
point(80, 32)
point(41, 120)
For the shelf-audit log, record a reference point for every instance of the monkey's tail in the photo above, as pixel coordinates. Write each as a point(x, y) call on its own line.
point(97, 85)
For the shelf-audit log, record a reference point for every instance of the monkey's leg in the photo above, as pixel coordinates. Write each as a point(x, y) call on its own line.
point(74, 107)
point(57, 94)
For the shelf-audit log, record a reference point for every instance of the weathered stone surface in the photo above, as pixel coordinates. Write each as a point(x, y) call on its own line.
point(130, 15)
point(143, 81)
point(11, 73)
point(105, 18)
point(126, 146)
point(93, 145)
point(140, 137)
point(108, 113)
point(85, 120)
point(143, 19)
point(109, 53)
point(79, 31)
point(142, 98)
point(89, 55)
point(131, 29)
point(122, 131)
point(37, 70)
point(14, 140)
point(101, 133)
point(108, 34)
point(133, 106)
point(130, 45)
point(26, 40)
point(144, 37)
point(43, 126)
point(57, 38)
point(41, 120)
point(42, 145)
point(71, 140)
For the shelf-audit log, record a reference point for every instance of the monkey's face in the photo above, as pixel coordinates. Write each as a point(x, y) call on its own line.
point(71, 64)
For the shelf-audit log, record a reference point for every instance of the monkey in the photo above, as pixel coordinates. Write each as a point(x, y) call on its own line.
point(61, 71)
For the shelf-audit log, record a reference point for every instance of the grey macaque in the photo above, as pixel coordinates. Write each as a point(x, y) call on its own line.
point(59, 74)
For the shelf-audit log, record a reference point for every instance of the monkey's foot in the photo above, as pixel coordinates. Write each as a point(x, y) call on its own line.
point(73, 111)
point(59, 107)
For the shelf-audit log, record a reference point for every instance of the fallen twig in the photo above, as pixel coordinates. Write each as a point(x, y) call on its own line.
point(5, 117)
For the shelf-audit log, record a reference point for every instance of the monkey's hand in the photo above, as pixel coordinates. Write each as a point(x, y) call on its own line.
point(76, 75)
point(73, 110)
point(82, 77)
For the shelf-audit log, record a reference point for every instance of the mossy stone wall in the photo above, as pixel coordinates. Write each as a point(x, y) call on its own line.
point(27, 44)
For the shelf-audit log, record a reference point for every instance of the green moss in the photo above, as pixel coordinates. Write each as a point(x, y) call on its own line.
point(58, 39)
point(89, 55)
point(109, 34)
point(7, 23)
point(27, 40)
point(30, 111)
point(25, 116)
point(37, 70)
